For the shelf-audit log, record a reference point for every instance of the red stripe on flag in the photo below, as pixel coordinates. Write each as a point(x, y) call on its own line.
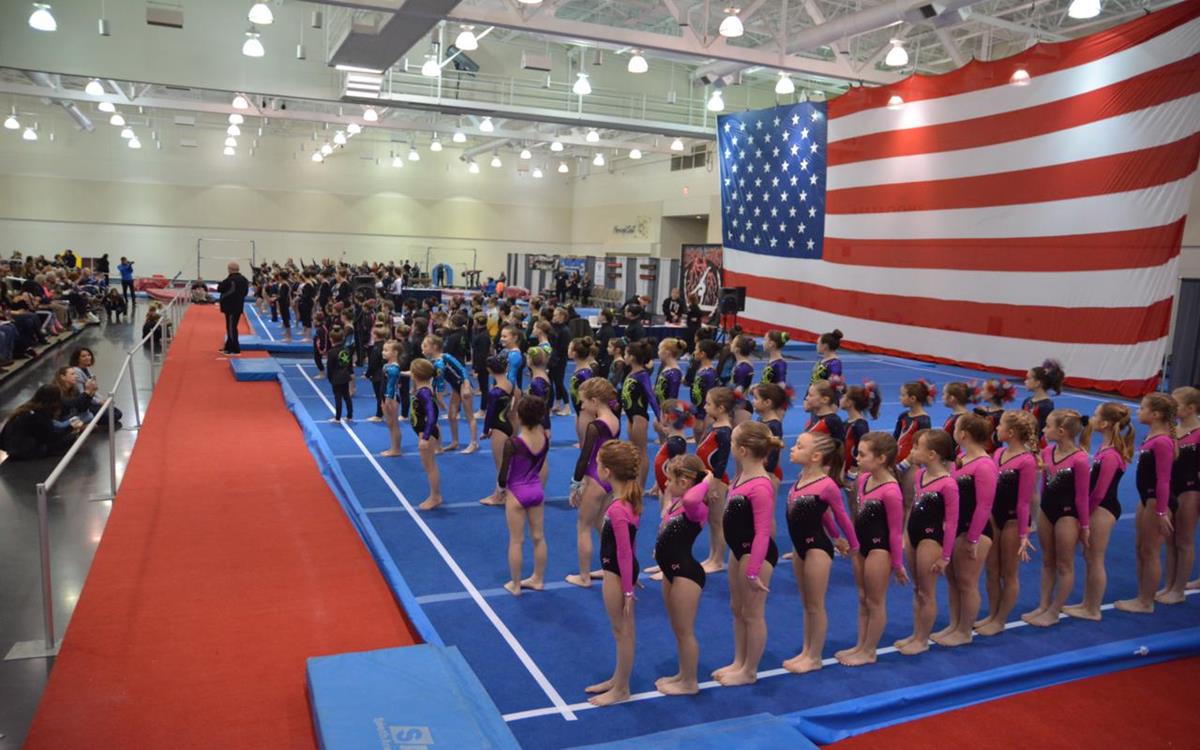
point(1137, 248)
point(1130, 388)
point(1154, 87)
point(1076, 325)
point(1118, 173)
point(1042, 58)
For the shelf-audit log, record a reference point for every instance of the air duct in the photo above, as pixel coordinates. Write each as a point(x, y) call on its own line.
point(43, 80)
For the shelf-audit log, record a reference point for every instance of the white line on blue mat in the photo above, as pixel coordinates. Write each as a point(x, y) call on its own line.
point(556, 699)
point(455, 596)
point(265, 329)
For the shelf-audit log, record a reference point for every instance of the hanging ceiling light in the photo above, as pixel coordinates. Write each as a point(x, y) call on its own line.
point(525, 154)
point(1020, 77)
point(239, 102)
point(563, 168)
point(326, 149)
point(466, 40)
point(716, 102)
point(353, 129)
point(784, 85)
point(593, 136)
point(413, 155)
point(398, 162)
point(339, 138)
point(236, 119)
point(233, 130)
point(472, 167)
point(598, 160)
point(486, 125)
point(537, 173)
point(1079, 9)
point(635, 153)
point(12, 123)
point(897, 56)
point(370, 115)
point(582, 87)
point(252, 47)
point(94, 87)
point(430, 68)
point(108, 107)
point(530, 2)
point(229, 151)
point(677, 145)
point(637, 63)
point(127, 133)
point(436, 145)
point(496, 163)
point(556, 145)
point(41, 19)
point(117, 121)
point(260, 13)
point(317, 157)
point(459, 136)
point(895, 102)
point(231, 142)
point(30, 133)
point(731, 26)
point(135, 143)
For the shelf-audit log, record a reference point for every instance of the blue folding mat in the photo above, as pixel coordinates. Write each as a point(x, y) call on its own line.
point(254, 369)
point(534, 654)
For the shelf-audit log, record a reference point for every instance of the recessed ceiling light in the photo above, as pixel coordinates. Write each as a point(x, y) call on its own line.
point(239, 102)
point(486, 125)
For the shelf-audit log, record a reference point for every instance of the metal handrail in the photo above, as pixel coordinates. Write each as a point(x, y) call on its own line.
point(172, 314)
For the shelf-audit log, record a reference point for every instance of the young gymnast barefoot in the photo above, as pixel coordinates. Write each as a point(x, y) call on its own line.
point(676, 417)
point(666, 385)
point(423, 415)
point(391, 404)
point(748, 523)
point(704, 381)
point(1017, 463)
point(714, 451)
point(1154, 487)
point(770, 404)
point(976, 479)
point(583, 353)
point(618, 465)
point(589, 489)
point(520, 479)
point(1112, 421)
point(497, 421)
point(879, 528)
point(858, 400)
point(1185, 487)
point(811, 528)
point(1065, 514)
point(637, 397)
point(682, 576)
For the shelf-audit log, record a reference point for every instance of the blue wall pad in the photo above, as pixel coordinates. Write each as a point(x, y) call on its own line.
point(395, 698)
point(259, 344)
point(837, 721)
point(256, 369)
point(757, 732)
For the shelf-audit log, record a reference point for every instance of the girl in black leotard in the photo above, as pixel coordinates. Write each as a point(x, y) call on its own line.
point(497, 423)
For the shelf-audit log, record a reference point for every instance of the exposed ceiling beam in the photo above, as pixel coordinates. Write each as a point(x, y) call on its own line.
point(956, 54)
point(1000, 23)
point(399, 33)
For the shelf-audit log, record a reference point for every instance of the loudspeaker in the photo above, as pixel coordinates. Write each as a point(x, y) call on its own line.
point(363, 287)
point(733, 299)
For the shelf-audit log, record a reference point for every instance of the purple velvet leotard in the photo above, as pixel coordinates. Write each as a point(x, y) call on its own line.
point(520, 471)
point(594, 438)
point(540, 387)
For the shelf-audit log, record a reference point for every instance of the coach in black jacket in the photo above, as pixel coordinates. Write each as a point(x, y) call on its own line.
point(232, 291)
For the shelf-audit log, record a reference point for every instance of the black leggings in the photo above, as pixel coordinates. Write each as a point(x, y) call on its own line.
point(319, 360)
point(127, 291)
point(377, 386)
point(557, 374)
point(481, 375)
point(341, 394)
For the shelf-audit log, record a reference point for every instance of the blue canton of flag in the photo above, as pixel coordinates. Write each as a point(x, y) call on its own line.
point(773, 180)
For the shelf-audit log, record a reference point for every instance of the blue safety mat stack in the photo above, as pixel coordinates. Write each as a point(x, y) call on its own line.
point(756, 732)
point(259, 344)
point(397, 698)
point(255, 369)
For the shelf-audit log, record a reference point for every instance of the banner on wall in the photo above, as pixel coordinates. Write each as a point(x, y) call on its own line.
point(543, 262)
point(577, 265)
point(702, 269)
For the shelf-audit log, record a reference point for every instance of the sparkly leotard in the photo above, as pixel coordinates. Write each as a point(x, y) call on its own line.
point(934, 512)
point(1065, 486)
point(617, 544)
point(747, 523)
point(880, 520)
point(677, 534)
point(809, 526)
point(976, 495)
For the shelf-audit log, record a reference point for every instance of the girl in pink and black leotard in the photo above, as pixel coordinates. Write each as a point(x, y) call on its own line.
point(589, 489)
point(619, 464)
point(1158, 452)
point(811, 528)
point(747, 523)
point(1017, 463)
point(932, 529)
point(519, 478)
point(879, 528)
point(1185, 488)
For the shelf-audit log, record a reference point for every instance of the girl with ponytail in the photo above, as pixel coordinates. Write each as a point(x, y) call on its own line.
point(828, 365)
point(776, 369)
point(583, 354)
point(589, 488)
point(1113, 421)
point(742, 376)
point(957, 396)
point(1185, 486)
point(1048, 376)
point(666, 385)
point(857, 401)
point(995, 393)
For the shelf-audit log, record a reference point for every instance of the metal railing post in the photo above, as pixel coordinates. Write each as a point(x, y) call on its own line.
point(137, 412)
point(44, 548)
point(152, 360)
point(112, 443)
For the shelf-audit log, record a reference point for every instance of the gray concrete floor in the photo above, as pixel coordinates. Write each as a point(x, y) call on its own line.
point(77, 516)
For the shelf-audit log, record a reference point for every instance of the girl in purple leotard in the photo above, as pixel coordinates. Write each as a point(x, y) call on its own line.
point(519, 478)
point(589, 489)
point(619, 464)
point(538, 358)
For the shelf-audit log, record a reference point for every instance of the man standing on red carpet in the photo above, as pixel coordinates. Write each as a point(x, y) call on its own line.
point(233, 291)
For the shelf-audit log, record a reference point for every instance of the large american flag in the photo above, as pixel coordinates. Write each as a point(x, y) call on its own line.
point(981, 222)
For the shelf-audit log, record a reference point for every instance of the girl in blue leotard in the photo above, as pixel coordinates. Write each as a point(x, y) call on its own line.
point(391, 386)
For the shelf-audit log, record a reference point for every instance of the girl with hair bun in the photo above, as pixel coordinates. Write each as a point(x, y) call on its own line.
point(857, 401)
point(1185, 486)
point(666, 385)
point(828, 365)
point(914, 397)
point(705, 380)
point(776, 368)
point(589, 488)
point(583, 354)
point(995, 393)
point(714, 449)
point(821, 403)
point(1048, 376)
point(770, 404)
point(742, 376)
point(957, 396)
point(637, 396)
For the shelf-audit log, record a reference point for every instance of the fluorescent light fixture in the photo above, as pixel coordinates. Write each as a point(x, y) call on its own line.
point(108, 107)
point(231, 142)
point(635, 153)
point(398, 162)
point(563, 168)
point(413, 155)
point(895, 102)
point(353, 129)
point(1079, 9)
point(556, 145)
point(436, 145)
point(582, 87)
point(233, 130)
point(252, 47)
point(135, 143)
point(496, 163)
point(784, 85)
point(239, 102)
point(459, 136)
point(598, 160)
point(94, 87)
point(637, 63)
point(317, 157)
point(260, 13)
point(339, 138)
point(466, 40)
point(127, 133)
point(117, 121)
point(716, 102)
point(677, 145)
point(370, 115)
point(593, 136)
point(537, 173)
point(472, 167)
point(430, 68)
point(1020, 77)
point(486, 125)
point(897, 56)
point(356, 68)
point(731, 26)
point(41, 19)
point(30, 134)
point(236, 119)
point(525, 154)
point(326, 149)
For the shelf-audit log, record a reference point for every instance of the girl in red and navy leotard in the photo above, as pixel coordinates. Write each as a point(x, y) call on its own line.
point(776, 368)
point(1185, 487)
point(957, 396)
point(932, 529)
point(676, 417)
point(914, 397)
point(618, 464)
point(1017, 462)
point(704, 380)
point(857, 401)
point(589, 489)
point(976, 477)
point(1064, 518)
point(714, 450)
point(423, 416)
point(879, 528)
point(670, 377)
point(637, 396)
point(1048, 377)
point(742, 377)
point(821, 403)
point(812, 531)
point(828, 365)
point(682, 576)
point(520, 476)
point(1158, 452)
point(770, 404)
point(748, 523)
point(1113, 422)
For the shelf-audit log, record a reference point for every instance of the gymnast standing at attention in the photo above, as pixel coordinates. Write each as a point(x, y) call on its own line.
point(828, 365)
point(618, 466)
point(1048, 376)
point(995, 394)
point(1185, 486)
point(914, 397)
point(423, 416)
point(770, 404)
point(821, 403)
point(519, 478)
point(776, 367)
point(812, 531)
point(540, 387)
point(748, 524)
point(666, 385)
point(742, 376)
point(583, 354)
point(858, 400)
point(637, 396)
point(497, 421)
point(589, 488)
point(957, 396)
point(704, 380)
point(391, 404)
point(714, 449)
